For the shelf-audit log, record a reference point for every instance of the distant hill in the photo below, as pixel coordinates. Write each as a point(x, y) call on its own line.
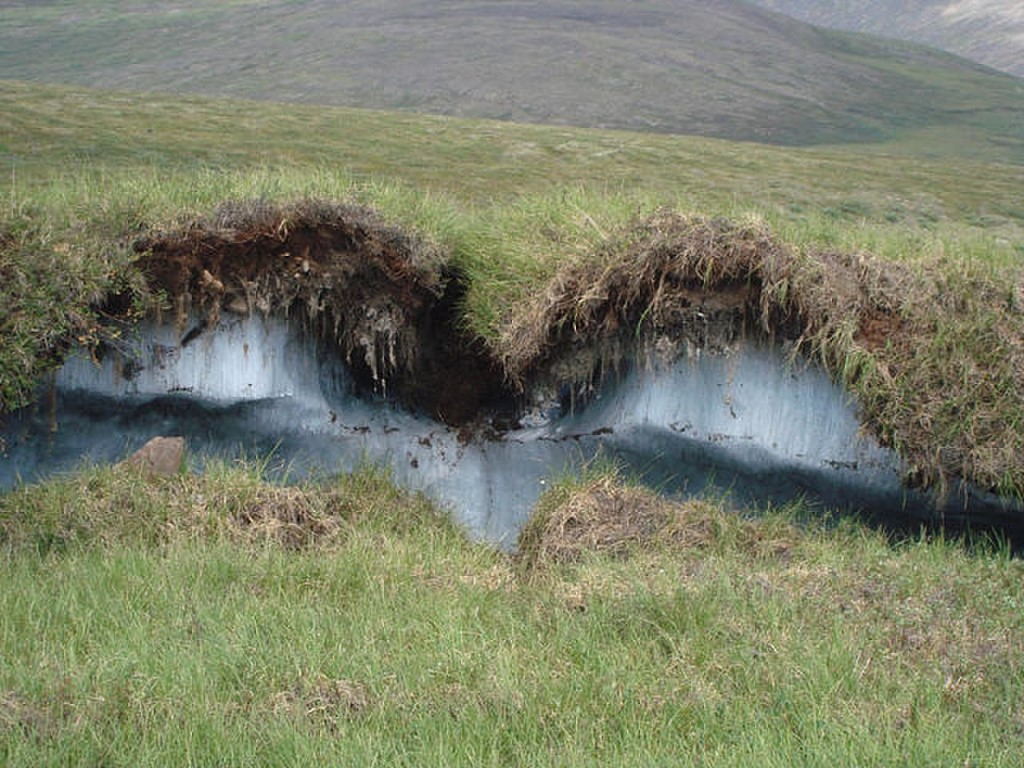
point(987, 31)
point(718, 68)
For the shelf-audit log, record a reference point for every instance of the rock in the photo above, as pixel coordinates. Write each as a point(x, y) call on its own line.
point(160, 457)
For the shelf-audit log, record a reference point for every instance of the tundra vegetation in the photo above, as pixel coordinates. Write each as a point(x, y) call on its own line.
point(220, 619)
point(727, 69)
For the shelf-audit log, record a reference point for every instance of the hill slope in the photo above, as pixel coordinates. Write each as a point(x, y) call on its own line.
point(987, 31)
point(723, 68)
point(47, 132)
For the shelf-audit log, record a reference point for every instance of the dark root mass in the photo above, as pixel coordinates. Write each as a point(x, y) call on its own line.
point(383, 297)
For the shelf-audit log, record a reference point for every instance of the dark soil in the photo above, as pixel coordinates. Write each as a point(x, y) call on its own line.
point(383, 299)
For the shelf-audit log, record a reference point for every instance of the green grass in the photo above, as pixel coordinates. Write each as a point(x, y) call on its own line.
point(157, 634)
point(56, 137)
point(729, 70)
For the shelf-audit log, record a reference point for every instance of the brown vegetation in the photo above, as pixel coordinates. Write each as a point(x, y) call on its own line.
point(383, 297)
point(322, 703)
point(605, 516)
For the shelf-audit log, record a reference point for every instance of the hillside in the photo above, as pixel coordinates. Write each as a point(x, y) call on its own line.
point(724, 69)
point(228, 620)
point(988, 31)
point(48, 133)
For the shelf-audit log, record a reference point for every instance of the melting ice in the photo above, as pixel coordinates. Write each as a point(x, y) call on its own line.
point(749, 424)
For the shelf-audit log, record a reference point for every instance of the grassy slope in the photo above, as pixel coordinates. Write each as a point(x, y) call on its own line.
point(723, 69)
point(988, 31)
point(141, 625)
point(54, 137)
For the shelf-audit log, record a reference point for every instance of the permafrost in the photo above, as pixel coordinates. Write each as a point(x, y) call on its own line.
point(749, 424)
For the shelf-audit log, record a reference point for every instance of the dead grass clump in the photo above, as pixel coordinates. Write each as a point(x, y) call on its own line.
point(605, 516)
point(322, 702)
point(291, 517)
point(600, 516)
point(21, 717)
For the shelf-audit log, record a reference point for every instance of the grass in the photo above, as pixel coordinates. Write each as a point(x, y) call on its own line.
point(219, 620)
point(729, 70)
point(53, 137)
point(148, 623)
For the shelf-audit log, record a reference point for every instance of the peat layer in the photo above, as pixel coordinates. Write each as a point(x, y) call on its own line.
point(934, 353)
point(387, 300)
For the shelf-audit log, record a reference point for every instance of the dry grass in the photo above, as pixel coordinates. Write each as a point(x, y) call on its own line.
point(604, 516)
point(289, 516)
point(660, 277)
point(322, 702)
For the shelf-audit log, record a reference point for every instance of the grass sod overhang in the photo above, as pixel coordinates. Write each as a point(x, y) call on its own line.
point(54, 289)
point(933, 351)
point(384, 297)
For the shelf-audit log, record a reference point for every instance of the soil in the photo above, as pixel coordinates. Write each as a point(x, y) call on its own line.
point(385, 300)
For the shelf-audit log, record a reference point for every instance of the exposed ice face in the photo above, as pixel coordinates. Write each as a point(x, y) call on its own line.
point(750, 423)
point(242, 358)
point(768, 413)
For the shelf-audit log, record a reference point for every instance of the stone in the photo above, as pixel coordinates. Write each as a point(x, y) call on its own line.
point(160, 457)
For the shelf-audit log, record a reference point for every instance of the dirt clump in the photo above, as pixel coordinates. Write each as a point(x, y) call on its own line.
point(385, 299)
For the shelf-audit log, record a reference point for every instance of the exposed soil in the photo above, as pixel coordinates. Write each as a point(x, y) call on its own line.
point(386, 300)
